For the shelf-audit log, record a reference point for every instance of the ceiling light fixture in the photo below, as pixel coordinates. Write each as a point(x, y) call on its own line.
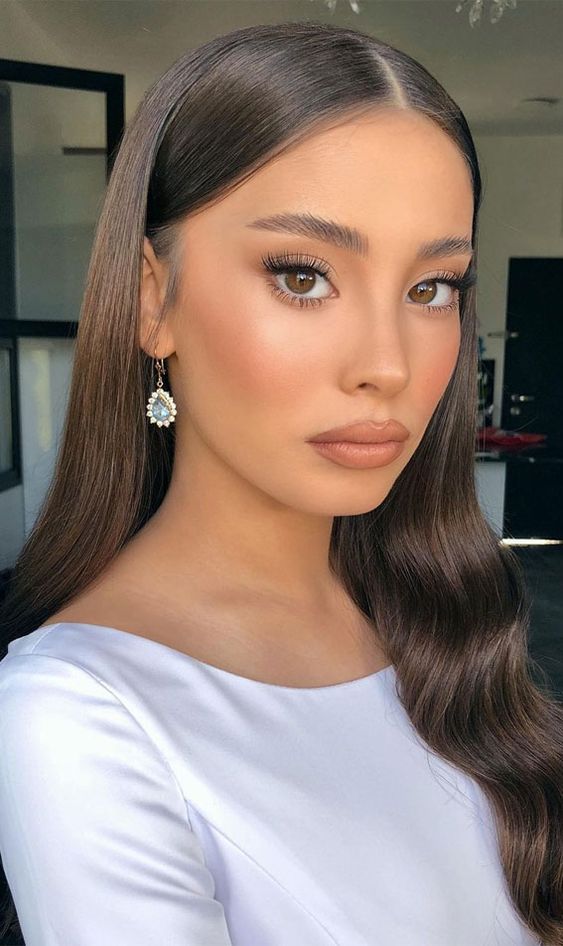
point(331, 4)
point(496, 9)
point(475, 7)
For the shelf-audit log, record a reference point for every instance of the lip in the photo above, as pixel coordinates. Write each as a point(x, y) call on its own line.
point(367, 431)
point(362, 456)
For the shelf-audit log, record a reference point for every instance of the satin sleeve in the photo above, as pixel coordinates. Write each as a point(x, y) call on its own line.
point(95, 836)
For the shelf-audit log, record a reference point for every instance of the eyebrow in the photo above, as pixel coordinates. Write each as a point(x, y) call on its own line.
point(349, 238)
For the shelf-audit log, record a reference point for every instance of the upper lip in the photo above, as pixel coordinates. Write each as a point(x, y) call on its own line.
point(366, 431)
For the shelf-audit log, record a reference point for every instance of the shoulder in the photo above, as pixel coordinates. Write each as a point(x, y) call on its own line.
point(61, 721)
point(44, 681)
point(87, 669)
point(60, 682)
point(90, 810)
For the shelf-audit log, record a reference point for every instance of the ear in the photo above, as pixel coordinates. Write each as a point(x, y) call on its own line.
point(153, 331)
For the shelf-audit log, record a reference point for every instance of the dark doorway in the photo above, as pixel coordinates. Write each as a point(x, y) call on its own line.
point(533, 397)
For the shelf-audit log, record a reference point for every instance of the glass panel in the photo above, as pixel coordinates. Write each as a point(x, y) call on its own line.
point(5, 412)
point(44, 368)
point(59, 175)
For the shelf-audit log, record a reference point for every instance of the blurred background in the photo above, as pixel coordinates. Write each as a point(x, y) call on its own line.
point(73, 71)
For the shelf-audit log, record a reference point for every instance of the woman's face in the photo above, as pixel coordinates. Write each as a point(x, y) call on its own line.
point(262, 361)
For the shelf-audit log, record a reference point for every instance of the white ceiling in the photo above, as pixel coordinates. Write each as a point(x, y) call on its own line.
point(488, 69)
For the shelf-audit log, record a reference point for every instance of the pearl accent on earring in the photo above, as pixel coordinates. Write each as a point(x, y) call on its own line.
point(161, 407)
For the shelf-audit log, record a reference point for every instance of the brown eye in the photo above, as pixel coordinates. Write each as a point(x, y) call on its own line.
point(424, 291)
point(296, 276)
point(427, 295)
point(299, 280)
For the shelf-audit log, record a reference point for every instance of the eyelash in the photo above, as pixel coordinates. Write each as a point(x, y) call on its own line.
point(287, 262)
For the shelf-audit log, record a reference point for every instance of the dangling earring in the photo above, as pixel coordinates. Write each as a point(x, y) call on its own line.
point(161, 407)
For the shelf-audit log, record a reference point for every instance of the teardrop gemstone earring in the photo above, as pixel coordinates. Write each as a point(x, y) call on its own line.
point(161, 407)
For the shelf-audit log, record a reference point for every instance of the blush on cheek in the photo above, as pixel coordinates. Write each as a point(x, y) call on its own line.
point(249, 372)
point(254, 357)
point(439, 369)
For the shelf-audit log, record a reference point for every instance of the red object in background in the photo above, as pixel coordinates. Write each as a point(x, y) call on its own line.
point(507, 438)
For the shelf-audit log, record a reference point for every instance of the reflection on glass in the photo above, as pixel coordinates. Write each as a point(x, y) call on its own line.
point(59, 171)
point(5, 412)
point(45, 368)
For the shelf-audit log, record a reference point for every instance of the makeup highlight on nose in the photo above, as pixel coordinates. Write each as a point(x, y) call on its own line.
point(350, 238)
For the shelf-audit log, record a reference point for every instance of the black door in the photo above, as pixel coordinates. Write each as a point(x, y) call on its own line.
point(533, 396)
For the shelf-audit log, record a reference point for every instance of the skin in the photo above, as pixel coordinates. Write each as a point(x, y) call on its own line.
point(239, 546)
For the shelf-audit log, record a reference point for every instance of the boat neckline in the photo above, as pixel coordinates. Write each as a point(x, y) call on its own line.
point(357, 683)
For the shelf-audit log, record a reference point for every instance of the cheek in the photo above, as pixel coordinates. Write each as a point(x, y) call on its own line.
point(241, 358)
point(433, 365)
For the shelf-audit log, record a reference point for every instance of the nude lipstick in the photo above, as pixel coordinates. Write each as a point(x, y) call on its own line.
point(362, 445)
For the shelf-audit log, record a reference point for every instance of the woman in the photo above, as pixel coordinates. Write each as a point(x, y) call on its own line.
point(291, 699)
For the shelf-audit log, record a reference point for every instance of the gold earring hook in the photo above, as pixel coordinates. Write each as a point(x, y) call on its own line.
point(160, 368)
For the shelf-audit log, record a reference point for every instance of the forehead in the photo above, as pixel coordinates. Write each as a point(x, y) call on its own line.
point(393, 174)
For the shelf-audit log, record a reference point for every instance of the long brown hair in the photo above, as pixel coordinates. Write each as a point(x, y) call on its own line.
point(447, 599)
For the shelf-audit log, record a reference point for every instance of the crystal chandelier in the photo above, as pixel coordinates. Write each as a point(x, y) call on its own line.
point(331, 4)
point(475, 7)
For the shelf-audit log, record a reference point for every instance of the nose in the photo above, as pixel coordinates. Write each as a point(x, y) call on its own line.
point(383, 360)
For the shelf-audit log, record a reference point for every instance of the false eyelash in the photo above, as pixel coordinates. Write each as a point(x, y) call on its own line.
point(456, 281)
point(460, 282)
point(296, 262)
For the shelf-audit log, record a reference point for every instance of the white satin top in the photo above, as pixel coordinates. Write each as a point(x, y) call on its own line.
point(150, 799)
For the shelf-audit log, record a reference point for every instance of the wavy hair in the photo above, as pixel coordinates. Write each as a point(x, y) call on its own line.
point(447, 598)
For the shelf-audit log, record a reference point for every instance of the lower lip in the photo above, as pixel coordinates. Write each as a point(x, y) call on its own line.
point(360, 455)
